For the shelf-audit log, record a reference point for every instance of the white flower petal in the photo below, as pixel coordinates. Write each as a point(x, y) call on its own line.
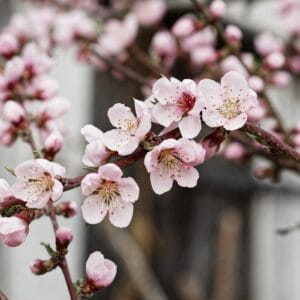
point(129, 189)
point(236, 122)
point(190, 126)
point(93, 209)
point(161, 182)
point(121, 215)
point(187, 177)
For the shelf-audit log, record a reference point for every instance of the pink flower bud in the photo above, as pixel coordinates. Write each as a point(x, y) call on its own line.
point(275, 60)
point(267, 43)
point(7, 197)
point(13, 112)
point(233, 34)
point(149, 12)
point(53, 143)
point(281, 78)
point(67, 209)
point(64, 236)
point(235, 151)
point(184, 26)
point(100, 271)
point(296, 140)
point(39, 266)
point(8, 45)
point(13, 231)
point(294, 64)
point(217, 9)
point(256, 83)
point(203, 55)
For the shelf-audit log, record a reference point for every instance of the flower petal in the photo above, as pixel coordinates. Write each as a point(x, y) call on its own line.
point(91, 133)
point(190, 126)
point(57, 190)
point(161, 182)
point(90, 183)
point(129, 189)
point(234, 85)
point(211, 91)
point(121, 215)
point(166, 114)
point(120, 115)
point(93, 209)
point(110, 171)
point(187, 177)
point(212, 118)
point(29, 169)
point(236, 122)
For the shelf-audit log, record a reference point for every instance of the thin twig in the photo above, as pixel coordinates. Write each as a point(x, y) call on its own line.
point(63, 264)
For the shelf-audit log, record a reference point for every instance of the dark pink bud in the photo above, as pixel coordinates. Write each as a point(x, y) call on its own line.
point(64, 237)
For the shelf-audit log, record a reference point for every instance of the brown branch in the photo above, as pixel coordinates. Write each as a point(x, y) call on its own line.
point(125, 70)
point(275, 144)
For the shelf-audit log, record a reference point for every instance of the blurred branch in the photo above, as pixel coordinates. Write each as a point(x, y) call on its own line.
point(288, 230)
point(2, 296)
point(135, 263)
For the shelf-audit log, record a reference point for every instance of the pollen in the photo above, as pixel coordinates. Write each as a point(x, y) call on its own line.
point(108, 190)
point(230, 108)
point(169, 159)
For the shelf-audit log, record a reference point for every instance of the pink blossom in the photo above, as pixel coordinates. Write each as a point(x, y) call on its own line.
point(203, 55)
point(235, 151)
point(54, 108)
point(64, 236)
point(67, 209)
point(13, 112)
point(95, 151)
point(256, 83)
point(130, 130)
point(36, 61)
point(184, 26)
point(13, 231)
point(149, 12)
point(232, 63)
point(267, 43)
point(42, 87)
point(274, 60)
point(117, 35)
point(53, 142)
point(201, 38)
point(108, 193)
point(217, 9)
point(100, 271)
point(164, 48)
point(177, 102)
point(8, 133)
point(280, 78)
point(257, 113)
point(226, 104)
point(174, 160)
point(8, 45)
point(233, 34)
point(38, 182)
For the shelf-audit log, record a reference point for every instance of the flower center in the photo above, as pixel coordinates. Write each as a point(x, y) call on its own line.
point(109, 190)
point(169, 159)
point(230, 108)
point(43, 185)
point(131, 126)
point(186, 102)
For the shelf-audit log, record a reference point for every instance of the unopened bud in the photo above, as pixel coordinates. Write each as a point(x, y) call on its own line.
point(64, 237)
point(217, 9)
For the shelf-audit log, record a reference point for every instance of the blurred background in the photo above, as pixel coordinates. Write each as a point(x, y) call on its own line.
point(217, 241)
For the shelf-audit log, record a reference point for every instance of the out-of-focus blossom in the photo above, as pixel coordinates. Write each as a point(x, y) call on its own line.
point(217, 9)
point(13, 112)
point(256, 83)
point(8, 45)
point(53, 142)
point(37, 182)
point(184, 26)
point(174, 160)
point(235, 151)
point(267, 43)
point(233, 34)
point(108, 193)
point(163, 48)
point(203, 55)
point(149, 12)
point(274, 60)
point(280, 78)
point(227, 104)
point(117, 35)
point(7, 197)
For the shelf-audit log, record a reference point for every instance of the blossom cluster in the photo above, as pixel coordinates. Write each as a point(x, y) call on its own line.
point(166, 129)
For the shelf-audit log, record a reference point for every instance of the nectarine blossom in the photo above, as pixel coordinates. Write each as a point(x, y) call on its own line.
point(130, 130)
point(177, 102)
point(38, 182)
point(174, 160)
point(227, 104)
point(95, 151)
point(108, 193)
point(100, 271)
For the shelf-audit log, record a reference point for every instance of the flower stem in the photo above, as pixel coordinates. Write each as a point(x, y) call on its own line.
point(63, 264)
